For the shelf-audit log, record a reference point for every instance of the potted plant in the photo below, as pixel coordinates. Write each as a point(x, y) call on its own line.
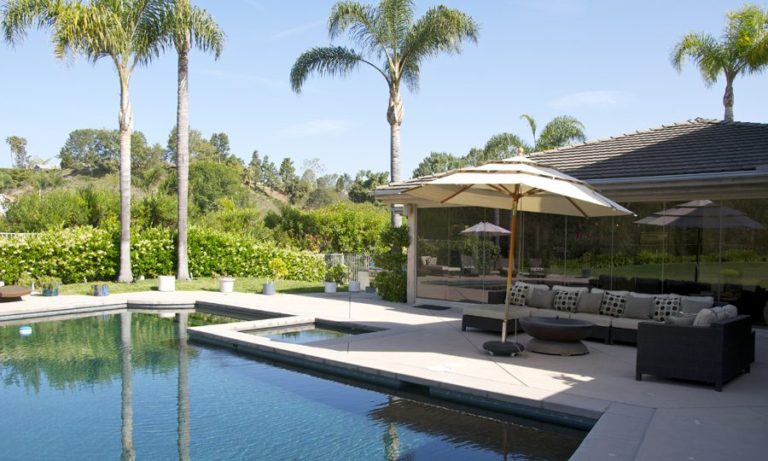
point(26, 280)
point(166, 283)
point(334, 276)
point(277, 270)
point(50, 285)
point(226, 283)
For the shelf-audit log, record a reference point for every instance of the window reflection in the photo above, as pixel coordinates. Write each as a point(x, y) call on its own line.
point(612, 253)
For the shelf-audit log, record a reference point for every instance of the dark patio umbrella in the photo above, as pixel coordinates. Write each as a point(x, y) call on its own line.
point(701, 214)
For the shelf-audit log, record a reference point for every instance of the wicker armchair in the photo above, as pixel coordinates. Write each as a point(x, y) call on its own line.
point(714, 354)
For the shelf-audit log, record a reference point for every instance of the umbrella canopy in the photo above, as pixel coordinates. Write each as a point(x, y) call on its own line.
point(520, 183)
point(517, 183)
point(701, 214)
point(485, 228)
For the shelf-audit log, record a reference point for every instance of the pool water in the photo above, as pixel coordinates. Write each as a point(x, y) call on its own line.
point(126, 385)
point(308, 333)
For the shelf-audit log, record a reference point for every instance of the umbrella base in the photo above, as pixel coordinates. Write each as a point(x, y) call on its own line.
point(503, 349)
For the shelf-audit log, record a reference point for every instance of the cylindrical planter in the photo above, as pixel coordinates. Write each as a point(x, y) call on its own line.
point(330, 287)
point(354, 286)
point(268, 288)
point(166, 283)
point(226, 284)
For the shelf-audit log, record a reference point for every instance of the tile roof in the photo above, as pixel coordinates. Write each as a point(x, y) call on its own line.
point(695, 146)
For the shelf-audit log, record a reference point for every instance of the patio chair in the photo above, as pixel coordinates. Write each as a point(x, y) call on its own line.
point(13, 293)
point(535, 268)
point(468, 266)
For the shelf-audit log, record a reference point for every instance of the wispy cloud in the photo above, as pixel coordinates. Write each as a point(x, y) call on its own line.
point(296, 30)
point(239, 77)
point(319, 127)
point(601, 98)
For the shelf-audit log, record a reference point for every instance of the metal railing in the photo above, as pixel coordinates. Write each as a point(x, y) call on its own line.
point(355, 262)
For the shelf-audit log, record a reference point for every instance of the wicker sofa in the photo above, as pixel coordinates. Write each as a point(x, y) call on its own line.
point(714, 354)
point(608, 310)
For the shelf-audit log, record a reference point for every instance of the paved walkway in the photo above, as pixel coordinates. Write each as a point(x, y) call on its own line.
point(650, 420)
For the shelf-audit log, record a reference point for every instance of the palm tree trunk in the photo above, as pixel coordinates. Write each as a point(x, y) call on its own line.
point(395, 119)
point(182, 159)
point(126, 126)
point(728, 99)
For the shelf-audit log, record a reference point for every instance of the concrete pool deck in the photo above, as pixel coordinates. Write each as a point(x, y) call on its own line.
point(649, 420)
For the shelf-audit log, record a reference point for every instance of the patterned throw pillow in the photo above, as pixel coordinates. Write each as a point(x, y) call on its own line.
point(613, 303)
point(566, 300)
point(665, 306)
point(518, 293)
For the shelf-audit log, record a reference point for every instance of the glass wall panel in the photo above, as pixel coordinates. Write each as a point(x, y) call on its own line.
point(728, 261)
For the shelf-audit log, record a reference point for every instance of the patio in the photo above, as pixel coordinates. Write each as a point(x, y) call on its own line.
point(652, 419)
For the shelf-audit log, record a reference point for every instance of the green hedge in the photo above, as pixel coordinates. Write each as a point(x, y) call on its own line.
point(84, 254)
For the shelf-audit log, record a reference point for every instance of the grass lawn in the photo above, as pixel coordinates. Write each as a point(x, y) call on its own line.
point(242, 284)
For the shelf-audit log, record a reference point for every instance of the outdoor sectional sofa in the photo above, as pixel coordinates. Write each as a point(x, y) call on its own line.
point(615, 314)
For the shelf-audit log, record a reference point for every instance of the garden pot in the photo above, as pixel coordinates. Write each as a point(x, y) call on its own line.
point(586, 272)
point(226, 284)
point(51, 291)
point(166, 283)
point(330, 287)
point(354, 286)
point(268, 288)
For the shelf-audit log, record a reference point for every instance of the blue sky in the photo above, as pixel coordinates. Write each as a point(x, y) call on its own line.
point(605, 62)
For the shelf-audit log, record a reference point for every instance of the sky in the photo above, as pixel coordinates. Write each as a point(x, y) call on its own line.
point(605, 62)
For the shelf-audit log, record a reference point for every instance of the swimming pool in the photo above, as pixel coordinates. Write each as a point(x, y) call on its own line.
point(125, 385)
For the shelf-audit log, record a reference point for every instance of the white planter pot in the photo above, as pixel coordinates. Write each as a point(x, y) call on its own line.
point(226, 284)
point(268, 288)
point(354, 286)
point(330, 287)
point(166, 283)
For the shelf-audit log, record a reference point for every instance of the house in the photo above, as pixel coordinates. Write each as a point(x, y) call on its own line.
point(646, 171)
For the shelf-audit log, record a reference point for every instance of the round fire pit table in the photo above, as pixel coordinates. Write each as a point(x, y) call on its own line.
point(556, 336)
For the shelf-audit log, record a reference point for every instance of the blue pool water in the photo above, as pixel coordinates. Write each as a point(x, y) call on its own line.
point(91, 388)
point(303, 334)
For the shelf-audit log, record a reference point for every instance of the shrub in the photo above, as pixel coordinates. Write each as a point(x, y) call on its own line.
point(277, 268)
point(337, 273)
point(391, 282)
point(74, 255)
point(153, 252)
point(86, 253)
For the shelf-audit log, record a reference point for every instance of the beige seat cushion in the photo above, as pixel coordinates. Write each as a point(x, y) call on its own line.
point(599, 320)
point(626, 323)
point(693, 304)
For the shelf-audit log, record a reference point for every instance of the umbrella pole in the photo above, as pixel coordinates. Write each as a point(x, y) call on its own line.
point(510, 266)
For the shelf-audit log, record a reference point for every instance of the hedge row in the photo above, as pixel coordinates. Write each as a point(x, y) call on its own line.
point(85, 254)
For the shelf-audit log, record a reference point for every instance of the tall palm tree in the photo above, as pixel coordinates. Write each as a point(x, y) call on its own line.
point(388, 33)
point(127, 32)
point(186, 25)
point(743, 48)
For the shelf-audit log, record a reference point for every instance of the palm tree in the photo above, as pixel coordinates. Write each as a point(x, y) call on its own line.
point(387, 32)
point(187, 25)
point(126, 32)
point(560, 131)
point(743, 48)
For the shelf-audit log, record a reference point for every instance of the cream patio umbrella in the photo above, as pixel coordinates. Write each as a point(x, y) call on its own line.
point(699, 215)
point(517, 184)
